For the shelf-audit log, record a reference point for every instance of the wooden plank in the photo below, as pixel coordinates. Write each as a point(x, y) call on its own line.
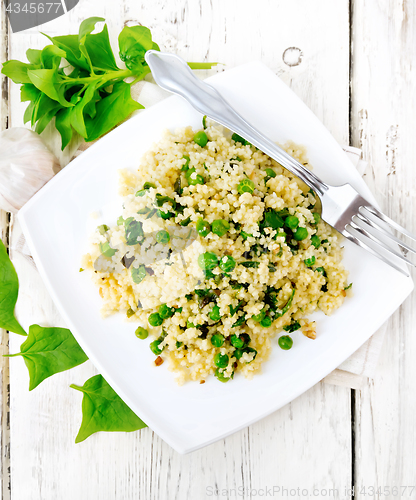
point(384, 125)
point(315, 428)
point(4, 347)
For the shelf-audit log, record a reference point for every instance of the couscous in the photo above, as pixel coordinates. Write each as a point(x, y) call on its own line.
point(218, 249)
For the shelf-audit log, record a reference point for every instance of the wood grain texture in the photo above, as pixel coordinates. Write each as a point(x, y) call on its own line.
point(384, 125)
point(4, 346)
point(307, 444)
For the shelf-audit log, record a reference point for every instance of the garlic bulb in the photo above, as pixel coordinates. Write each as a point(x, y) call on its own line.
point(26, 164)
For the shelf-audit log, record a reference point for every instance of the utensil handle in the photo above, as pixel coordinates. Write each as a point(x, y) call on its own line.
point(173, 74)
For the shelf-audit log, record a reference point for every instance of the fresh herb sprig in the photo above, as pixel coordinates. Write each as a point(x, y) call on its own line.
point(77, 81)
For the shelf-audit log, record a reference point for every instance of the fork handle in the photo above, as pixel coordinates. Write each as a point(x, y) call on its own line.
point(172, 73)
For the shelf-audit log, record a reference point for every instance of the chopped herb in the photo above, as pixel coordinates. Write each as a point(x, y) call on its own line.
point(130, 312)
point(238, 138)
point(204, 121)
point(321, 270)
point(138, 274)
point(103, 228)
point(292, 327)
point(272, 267)
point(185, 166)
point(245, 235)
point(186, 221)
point(348, 287)
point(133, 231)
point(241, 320)
point(250, 263)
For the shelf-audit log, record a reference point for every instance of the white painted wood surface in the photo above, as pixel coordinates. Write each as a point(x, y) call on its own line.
point(309, 443)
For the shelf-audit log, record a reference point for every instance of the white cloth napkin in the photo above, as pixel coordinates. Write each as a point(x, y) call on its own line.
point(352, 372)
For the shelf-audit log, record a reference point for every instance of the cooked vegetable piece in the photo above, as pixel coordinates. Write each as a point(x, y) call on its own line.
point(141, 333)
point(245, 186)
point(285, 342)
point(220, 227)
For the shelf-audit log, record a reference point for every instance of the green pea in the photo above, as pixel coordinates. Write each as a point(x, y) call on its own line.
point(154, 346)
point(217, 340)
point(215, 313)
point(193, 180)
point(310, 262)
point(316, 217)
point(155, 319)
point(207, 261)
point(201, 138)
point(301, 234)
point(141, 333)
point(292, 222)
point(227, 263)
point(203, 227)
point(246, 186)
point(285, 342)
point(259, 317)
point(221, 377)
point(266, 322)
point(238, 353)
point(316, 242)
point(220, 227)
point(185, 166)
point(221, 360)
point(236, 341)
point(165, 311)
point(163, 237)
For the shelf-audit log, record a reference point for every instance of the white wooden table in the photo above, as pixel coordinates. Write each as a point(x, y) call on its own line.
point(357, 72)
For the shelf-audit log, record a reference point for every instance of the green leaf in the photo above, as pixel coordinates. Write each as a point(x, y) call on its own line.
point(100, 52)
point(28, 92)
point(34, 56)
point(70, 45)
point(51, 57)
point(77, 114)
point(48, 351)
point(63, 125)
point(134, 42)
point(17, 71)
point(104, 410)
point(111, 111)
point(9, 288)
point(46, 110)
point(48, 81)
point(87, 26)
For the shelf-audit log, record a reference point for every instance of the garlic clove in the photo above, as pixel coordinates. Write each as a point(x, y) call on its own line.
point(26, 165)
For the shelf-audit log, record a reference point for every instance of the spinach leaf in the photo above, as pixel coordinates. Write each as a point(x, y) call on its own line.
point(104, 410)
point(9, 287)
point(47, 351)
point(94, 92)
point(133, 231)
point(134, 42)
point(111, 110)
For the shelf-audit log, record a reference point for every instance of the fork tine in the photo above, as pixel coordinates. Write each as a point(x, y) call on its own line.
point(347, 233)
point(377, 227)
point(376, 213)
point(381, 243)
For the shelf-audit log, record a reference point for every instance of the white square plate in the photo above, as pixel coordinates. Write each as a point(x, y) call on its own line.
point(189, 417)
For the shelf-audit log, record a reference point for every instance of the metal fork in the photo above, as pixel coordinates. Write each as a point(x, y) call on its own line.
point(342, 207)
